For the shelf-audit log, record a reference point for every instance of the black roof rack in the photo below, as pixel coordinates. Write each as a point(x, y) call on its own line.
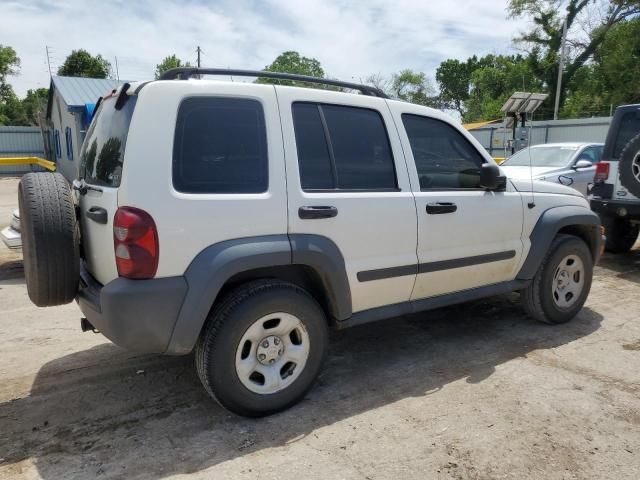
point(184, 73)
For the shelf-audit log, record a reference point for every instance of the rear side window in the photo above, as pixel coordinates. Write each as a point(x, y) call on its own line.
point(629, 128)
point(220, 146)
point(342, 148)
point(102, 154)
point(444, 158)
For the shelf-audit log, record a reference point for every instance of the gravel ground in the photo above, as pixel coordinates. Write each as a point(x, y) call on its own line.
point(476, 391)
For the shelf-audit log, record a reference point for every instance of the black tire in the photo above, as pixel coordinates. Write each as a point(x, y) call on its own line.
point(538, 298)
point(230, 319)
point(50, 239)
point(629, 165)
point(621, 234)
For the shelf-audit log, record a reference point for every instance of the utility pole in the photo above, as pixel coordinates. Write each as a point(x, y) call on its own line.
point(560, 68)
point(199, 51)
point(117, 71)
point(48, 59)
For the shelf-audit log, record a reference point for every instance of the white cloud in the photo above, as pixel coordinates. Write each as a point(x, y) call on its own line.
point(352, 39)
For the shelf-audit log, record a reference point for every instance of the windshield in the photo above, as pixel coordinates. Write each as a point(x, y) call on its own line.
point(102, 152)
point(541, 157)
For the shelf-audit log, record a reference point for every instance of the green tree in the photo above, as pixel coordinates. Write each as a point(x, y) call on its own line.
point(11, 112)
point(293, 62)
point(168, 63)
point(34, 104)
point(588, 24)
point(454, 82)
point(407, 85)
point(493, 81)
point(81, 63)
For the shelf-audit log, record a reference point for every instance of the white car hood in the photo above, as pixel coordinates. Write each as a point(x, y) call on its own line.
point(525, 172)
point(540, 186)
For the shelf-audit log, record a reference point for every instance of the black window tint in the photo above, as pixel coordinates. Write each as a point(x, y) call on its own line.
point(313, 153)
point(629, 128)
point(102, 154)
point(220, 146)
point(444, 158)
point(351, 153)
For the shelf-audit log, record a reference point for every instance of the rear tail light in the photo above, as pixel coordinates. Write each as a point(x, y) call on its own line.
point(135, 240)
point(602, 172)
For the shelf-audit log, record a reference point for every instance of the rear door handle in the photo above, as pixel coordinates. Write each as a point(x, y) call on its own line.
point(316, 211)
point(98, 214)
point(441, 207)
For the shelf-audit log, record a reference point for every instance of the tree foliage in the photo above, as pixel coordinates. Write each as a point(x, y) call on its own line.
point(407, 85)
point(293, 62)
point(169, 62)
point(81, 63)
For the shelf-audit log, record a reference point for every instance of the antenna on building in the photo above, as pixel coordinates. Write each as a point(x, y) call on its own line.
point(48, 49)
point(199, 51)
point(117, 72)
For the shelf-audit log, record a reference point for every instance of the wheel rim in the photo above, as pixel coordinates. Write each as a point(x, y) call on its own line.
point(272, 353)
point(635, 168)
point(568, 281)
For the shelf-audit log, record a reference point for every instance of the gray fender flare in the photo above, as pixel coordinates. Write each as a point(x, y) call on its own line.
point(216, 264)
point(548, 226)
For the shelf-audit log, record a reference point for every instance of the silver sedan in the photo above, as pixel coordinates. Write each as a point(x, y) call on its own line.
point(571, 164)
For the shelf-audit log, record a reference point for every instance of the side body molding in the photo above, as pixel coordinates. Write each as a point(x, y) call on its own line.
point(216, 264)
point(548, 226)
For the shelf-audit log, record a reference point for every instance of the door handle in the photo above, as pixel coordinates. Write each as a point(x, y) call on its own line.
point(98, 214)
point(441, 207)
point(313, 212)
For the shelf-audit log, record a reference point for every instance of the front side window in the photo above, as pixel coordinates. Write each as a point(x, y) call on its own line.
point(220, 146)
point(444, 158)
point(342, 148)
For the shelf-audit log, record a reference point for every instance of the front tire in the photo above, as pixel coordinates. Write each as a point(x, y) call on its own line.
point(561, 286)
point(262, 348)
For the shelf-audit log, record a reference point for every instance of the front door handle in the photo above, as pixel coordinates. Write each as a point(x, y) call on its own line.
point(314, 212)
point(98, 214)
point(441, 207)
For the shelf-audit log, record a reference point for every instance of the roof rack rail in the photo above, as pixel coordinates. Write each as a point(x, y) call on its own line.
point(184, 73)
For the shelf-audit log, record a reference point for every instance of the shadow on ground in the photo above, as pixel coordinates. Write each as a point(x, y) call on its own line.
point(623, 265)
point(106, 412)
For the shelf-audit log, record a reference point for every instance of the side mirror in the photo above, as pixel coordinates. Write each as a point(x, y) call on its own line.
point(490, 177)
point(582, 164)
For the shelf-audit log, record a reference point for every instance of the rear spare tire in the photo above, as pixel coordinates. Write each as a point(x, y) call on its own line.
point(630, 166)
point(50, 238)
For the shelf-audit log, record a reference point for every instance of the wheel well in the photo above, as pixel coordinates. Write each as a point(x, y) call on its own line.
point(588, 233)
point(300, 275)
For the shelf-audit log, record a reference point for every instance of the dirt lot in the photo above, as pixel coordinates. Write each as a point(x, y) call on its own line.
point(477, 391)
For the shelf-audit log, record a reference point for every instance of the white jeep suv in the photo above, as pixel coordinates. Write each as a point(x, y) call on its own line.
point(241, 220)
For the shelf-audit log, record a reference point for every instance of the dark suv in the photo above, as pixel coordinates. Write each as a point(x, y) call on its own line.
point(616, 189)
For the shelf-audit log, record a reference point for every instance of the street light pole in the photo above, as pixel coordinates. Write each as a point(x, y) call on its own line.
point(560, 68)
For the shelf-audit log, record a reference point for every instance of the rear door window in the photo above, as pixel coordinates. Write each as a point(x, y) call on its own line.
point(102, 154)
point(342, 148)
point(220, 146)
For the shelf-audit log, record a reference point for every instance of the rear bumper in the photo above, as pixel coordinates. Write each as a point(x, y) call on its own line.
point(138, 315)
point(613, 208)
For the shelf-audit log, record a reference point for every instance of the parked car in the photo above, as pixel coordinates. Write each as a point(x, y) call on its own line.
point(241, 220)
point(571, 164)
point(616, 189)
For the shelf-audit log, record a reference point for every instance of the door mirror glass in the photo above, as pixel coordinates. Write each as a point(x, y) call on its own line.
point(491, 178)
point(581, 164)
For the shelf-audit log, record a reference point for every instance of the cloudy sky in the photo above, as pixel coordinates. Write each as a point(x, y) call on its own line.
point(352, 39)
